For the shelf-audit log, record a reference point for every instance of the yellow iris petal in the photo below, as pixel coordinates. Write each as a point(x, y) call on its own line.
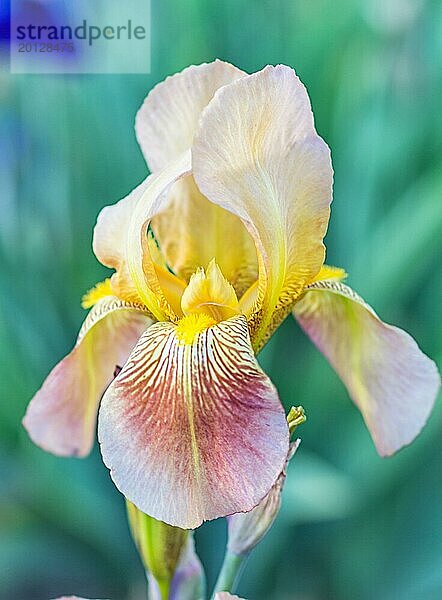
point(192, 231)
point(172, 288)
point(211, 294)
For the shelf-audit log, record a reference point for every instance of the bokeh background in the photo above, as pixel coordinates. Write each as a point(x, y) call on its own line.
point(352, 525)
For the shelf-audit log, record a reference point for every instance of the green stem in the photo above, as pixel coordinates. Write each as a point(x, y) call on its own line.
point(164, 587)
point(230, 573)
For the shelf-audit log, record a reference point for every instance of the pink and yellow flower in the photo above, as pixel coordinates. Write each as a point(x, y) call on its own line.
point(211, 253)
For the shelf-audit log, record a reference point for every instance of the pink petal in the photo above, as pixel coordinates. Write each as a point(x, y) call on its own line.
point(391, 381)
point(62, 415)
point(194, 431)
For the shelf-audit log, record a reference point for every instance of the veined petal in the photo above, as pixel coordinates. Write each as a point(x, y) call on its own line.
point(62, 415)
point(167, 120)
point(193, 431)
point(257, 154)
point(391, 381)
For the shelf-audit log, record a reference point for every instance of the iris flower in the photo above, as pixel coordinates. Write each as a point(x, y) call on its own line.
point(211, 253)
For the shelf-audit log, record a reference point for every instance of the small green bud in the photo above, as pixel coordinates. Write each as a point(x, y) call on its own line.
point(295, 418)
point(160, 546)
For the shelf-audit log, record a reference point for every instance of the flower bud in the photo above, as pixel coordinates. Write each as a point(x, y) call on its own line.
point(188, 582)
point(246, 530)
point(160, 546)
point(295, 418)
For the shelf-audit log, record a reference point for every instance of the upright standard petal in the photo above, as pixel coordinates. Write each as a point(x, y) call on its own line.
point(62, 415)
point(388, 377)
point(167, 120)
point(193, 430)
point(192, 230)
point(257, 154)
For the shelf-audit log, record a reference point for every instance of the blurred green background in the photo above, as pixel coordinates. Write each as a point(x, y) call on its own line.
point(353, 526)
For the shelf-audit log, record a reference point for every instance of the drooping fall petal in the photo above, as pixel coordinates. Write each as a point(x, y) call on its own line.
point(62, 415)
point(391, 381)
point(189, 423)
point(257, 154)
